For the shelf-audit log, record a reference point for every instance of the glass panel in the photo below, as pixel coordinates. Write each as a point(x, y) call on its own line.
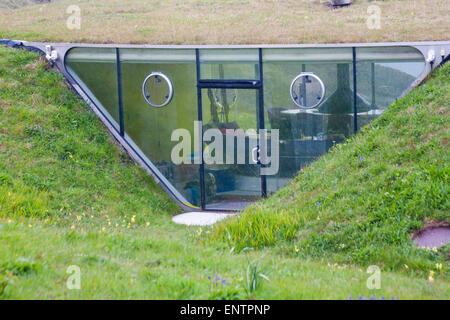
point(151, 128)
point(230, 131)
point(383, 74)
point(305, 134)
point(95, 70)
point(229, 64)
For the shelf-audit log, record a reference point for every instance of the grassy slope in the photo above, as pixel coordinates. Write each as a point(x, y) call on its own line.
point(68, 197)
point(227, 22)
point(361, 202)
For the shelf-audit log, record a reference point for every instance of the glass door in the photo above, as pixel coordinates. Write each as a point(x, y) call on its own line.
point(230, 93)
point(230, 147)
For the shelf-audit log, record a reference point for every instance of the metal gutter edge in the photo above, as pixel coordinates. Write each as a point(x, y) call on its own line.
point(250, 46)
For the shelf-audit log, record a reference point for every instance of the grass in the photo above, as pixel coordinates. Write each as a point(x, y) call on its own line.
point(361, 202)
point(14, 4)
point(226, 22)
point(70, 196)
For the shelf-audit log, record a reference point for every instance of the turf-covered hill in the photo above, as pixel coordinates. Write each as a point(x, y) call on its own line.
point(361, 202)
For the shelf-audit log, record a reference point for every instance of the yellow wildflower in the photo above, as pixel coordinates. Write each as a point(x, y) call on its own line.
point(430, 276)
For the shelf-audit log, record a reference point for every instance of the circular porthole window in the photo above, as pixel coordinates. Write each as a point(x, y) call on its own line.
point(307, 90)
point(157, 89)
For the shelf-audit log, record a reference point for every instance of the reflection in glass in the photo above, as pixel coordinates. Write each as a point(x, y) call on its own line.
point(229, 63)
point(307, 90)
point(157, 89)
point(151, 128)
point(307, 134)
point(232, 179)
point(96, 71)
point(383, 74)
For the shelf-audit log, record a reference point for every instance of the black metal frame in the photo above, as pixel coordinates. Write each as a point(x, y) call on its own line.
point(261, 118)
point(229, 84)
point(119, 93)
point(355, 93)
point(200, 119)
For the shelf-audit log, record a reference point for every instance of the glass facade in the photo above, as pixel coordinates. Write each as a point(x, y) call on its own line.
point(96, 70)
point(151, 128)
point(197, 120)
point(384, 74)
point(306, 134)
